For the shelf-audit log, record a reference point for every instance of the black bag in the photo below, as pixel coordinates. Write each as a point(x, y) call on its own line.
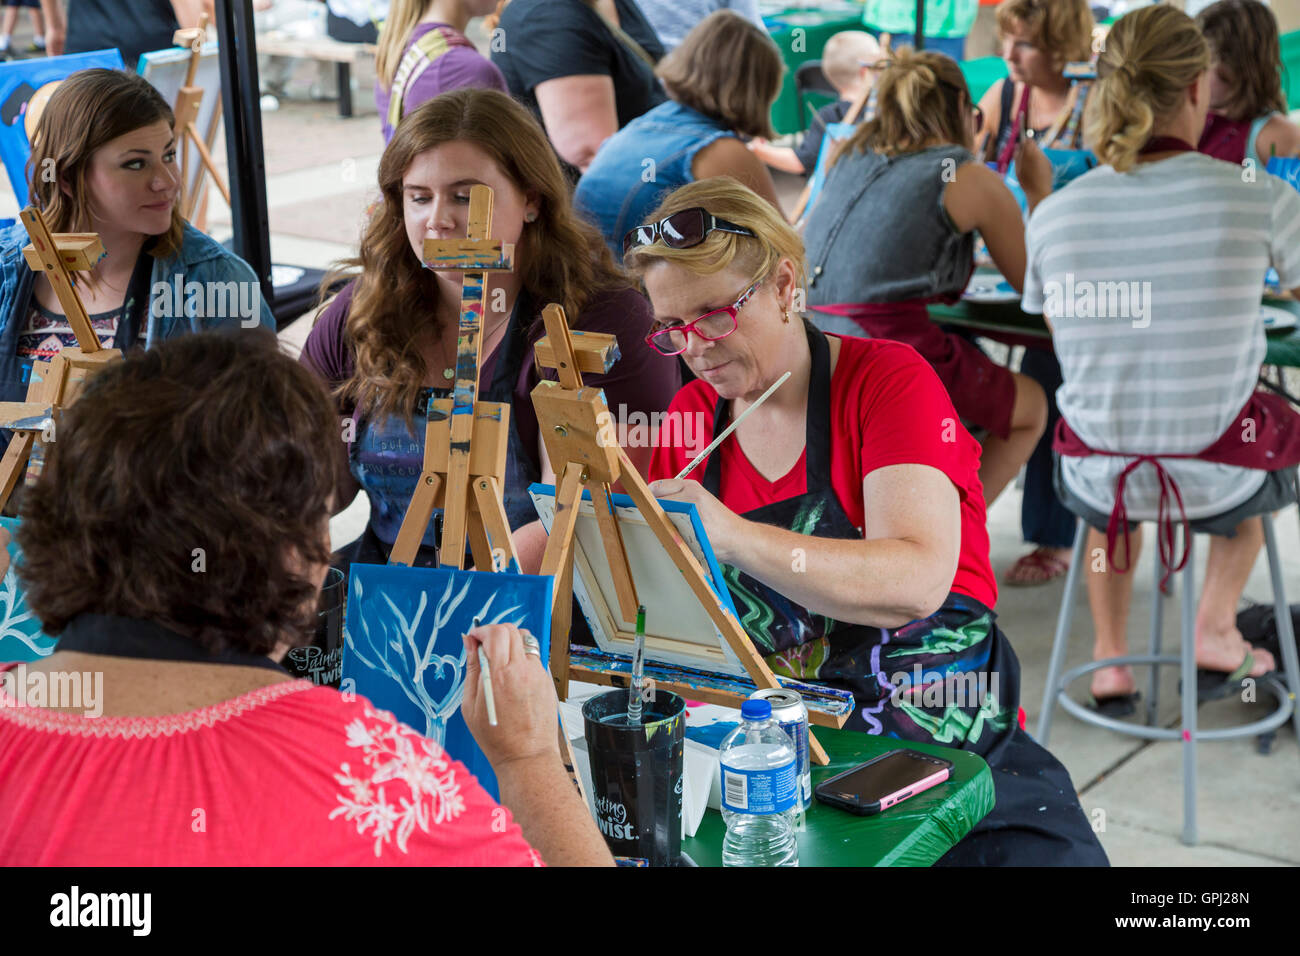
point(1258, 625)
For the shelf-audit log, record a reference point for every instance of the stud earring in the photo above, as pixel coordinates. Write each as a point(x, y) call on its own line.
point(530, 217)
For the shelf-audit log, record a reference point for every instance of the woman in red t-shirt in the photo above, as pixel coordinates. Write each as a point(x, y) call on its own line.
point(161, 732)
point(847, 510)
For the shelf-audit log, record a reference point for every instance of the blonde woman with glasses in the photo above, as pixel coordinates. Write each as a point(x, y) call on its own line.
point(858, 467)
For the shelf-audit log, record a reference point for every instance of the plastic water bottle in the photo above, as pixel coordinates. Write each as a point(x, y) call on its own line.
point(759, 791)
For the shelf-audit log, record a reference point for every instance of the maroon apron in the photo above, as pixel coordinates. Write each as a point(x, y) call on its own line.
point(1275, 445)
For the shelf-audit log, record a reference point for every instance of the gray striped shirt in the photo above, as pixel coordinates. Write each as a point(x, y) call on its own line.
point(1151, 280)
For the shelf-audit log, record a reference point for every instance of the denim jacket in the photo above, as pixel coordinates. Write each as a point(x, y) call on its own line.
point(200, 277)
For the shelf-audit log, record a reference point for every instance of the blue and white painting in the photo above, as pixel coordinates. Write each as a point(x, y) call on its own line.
point(403, 649)
point(21, 638)
point(20, 81)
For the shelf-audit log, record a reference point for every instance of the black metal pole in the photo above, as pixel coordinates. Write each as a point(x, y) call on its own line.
point(246, 165)
point(920, 25)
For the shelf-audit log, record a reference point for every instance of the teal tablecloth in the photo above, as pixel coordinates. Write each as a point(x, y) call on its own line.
point(915, 833)
point(800, 34)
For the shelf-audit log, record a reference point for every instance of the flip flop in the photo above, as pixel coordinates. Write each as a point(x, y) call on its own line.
point(1040, 559)
point(1121, 705)
point(1216, 685)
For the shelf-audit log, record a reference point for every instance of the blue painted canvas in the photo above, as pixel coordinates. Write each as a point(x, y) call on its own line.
point(403, 649)
point(19, 82)
point(21, 638)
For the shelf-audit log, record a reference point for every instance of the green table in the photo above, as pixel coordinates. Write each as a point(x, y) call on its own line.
point(1008, 323)
point(814, 28)
point(915, 833)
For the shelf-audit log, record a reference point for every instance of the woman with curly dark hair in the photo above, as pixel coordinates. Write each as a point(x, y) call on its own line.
point(387, 343)
point(176, 542)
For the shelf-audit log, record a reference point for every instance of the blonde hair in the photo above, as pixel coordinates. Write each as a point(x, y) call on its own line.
point(726, 198)
point(1152, 55)
point(729, 69)
point(845, 54)
point(1060, 28)
point(921, 100)
point(402, 17)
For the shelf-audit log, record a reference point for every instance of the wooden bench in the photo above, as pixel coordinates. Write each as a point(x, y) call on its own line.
point(343, 55)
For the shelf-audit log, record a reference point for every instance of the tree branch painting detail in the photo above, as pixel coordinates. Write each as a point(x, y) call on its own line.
point(403, 648)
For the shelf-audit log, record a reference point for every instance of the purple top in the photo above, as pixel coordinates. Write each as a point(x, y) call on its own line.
point(387, 459)
point(460, 66)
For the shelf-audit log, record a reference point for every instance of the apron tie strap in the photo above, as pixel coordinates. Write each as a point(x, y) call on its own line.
point(1165, 533)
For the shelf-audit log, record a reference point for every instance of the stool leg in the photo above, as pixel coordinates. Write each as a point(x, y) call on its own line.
point(1189, 692)
point(1063, 620)
point(1282, 611)
point(1157, 629)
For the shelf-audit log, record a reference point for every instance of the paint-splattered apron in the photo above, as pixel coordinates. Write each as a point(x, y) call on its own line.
point(905, 679)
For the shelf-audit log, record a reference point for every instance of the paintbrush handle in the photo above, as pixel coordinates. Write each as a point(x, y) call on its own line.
point(731, 428)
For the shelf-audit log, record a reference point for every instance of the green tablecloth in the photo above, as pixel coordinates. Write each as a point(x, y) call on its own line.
point(815, 28)
point(915, 833)
point(1006, 322)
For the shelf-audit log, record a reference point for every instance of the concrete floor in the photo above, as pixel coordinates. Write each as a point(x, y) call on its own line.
point(320, 179)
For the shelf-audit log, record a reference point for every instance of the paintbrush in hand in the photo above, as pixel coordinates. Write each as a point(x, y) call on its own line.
point(486, 676)
point(731, 428)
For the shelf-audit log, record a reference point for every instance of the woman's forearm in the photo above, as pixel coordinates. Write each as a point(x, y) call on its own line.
point(884, 582)
point(550, 813)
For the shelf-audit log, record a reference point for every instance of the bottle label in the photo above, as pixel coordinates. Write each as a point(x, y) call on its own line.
point(759, 791)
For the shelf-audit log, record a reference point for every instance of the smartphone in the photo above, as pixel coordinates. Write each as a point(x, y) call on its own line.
point(883, 781)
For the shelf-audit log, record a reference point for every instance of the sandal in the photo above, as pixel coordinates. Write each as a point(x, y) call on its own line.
point(1216, 685)
point(1121, 705)
point(1037, 567)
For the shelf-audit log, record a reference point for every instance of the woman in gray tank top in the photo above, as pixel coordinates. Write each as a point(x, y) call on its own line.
point(894, 229)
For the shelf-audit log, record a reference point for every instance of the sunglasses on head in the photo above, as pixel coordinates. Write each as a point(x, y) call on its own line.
point(681, 230)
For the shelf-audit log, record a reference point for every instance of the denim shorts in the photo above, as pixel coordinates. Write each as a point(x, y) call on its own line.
point(1277, 492)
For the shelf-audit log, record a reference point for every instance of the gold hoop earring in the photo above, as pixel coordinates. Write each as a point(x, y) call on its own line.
point(785, 315)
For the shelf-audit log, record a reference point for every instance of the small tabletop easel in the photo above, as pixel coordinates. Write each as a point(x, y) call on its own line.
point(54, 385)
point(187, 130)
point(465, 440)
point(575, 424)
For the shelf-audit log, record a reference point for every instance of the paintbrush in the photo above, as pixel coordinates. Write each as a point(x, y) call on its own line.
point(487, 681)
point(638, 669)
point(732, 427)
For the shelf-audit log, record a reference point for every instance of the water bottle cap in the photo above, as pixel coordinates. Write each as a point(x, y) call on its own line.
point(756, 710)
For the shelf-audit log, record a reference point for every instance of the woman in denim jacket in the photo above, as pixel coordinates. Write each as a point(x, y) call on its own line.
point(104, 161)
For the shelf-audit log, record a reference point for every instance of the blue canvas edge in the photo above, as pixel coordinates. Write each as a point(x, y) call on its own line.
point(171, 55)
point(717, 583)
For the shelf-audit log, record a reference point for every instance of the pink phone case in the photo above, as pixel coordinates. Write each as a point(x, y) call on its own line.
point(912, 789)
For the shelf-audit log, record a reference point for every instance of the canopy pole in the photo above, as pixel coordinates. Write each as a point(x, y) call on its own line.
point(246, 164)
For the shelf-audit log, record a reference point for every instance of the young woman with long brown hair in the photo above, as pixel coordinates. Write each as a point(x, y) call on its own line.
point(387, 343)
point(104, 161)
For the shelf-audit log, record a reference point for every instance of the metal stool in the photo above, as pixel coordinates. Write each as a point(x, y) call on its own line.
point(1057, 682)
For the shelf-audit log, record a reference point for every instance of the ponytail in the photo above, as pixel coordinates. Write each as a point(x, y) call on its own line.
point(1150, 58)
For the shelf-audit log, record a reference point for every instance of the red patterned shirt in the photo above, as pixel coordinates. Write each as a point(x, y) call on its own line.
point(288, 775)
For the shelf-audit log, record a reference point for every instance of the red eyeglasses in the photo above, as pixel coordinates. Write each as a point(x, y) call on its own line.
point(711, 327)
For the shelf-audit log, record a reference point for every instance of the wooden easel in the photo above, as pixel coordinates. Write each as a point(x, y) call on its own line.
point(187, 130)
point(575, 424)
point(54, 385)
point(465, 440)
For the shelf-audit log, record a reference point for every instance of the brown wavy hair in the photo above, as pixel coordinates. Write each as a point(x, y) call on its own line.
point(90, 108)
point(209, 441)
point(921, 100)
point(562, 258)
point(1060, 28)
point(729, 69)
point(1243, 37)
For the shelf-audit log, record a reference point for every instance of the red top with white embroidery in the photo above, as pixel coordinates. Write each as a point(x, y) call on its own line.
point(290, 774)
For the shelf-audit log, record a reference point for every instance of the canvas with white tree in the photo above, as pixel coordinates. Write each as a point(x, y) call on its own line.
point(404, 649)
point(21, 637)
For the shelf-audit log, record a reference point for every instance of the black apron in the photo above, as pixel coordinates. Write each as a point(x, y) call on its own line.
point(1037, 819)
point(114, 636)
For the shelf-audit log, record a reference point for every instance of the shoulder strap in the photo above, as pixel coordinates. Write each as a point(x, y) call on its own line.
point(623, 37)
point(418, 58)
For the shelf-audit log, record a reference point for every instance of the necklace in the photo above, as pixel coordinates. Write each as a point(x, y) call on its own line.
point(489, 343)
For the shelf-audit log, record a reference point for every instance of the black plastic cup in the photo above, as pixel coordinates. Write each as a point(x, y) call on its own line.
point(636, 774)
point(321, 661)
